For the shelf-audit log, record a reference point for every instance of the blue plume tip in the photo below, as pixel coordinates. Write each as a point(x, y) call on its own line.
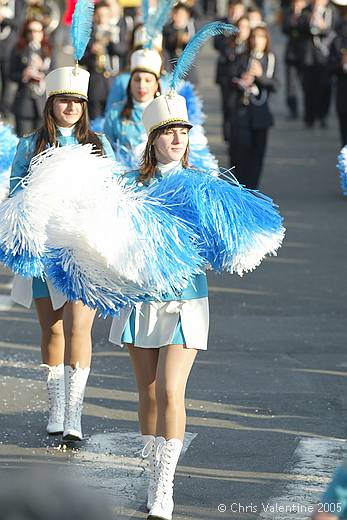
point(82, 23)
point(190, 52)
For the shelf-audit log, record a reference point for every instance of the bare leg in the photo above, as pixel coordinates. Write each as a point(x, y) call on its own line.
point(52, 333)
point(144, 361)
point(174, 366)
point(78, 321)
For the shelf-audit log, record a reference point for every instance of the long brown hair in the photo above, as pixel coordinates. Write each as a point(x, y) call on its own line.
point(47, 133)
point(148, 163)
point(22, 43)
point(260, 28)
point(129, 104)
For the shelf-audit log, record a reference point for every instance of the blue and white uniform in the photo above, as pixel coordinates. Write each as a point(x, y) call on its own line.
point(24, 290)
point(128, 136)
point(174, 320)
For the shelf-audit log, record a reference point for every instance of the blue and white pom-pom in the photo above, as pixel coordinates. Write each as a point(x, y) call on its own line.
point(8, 145)
point(342, 168)
point(237, 227)
point(99, 241)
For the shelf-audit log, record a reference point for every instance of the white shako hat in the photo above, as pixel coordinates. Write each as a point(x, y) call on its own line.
point(68, 81)
point(141, 38)
point(169, 109)
point(146, 60)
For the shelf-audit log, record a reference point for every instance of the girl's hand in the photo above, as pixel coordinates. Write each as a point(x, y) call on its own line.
point(256, 69)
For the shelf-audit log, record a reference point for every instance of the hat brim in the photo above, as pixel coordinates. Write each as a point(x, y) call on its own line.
point(69, 93)
point(171, 122)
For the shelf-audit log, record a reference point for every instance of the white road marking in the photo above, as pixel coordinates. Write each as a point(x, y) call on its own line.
point(312, 457)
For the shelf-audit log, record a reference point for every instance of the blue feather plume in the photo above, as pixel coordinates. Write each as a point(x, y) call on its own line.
point(236, 227)
point(190, 52)
point(342, 168)
point(145, 12)
point(156, 22)
point(82, 22)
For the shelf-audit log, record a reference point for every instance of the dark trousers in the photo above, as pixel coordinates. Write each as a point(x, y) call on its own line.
point(293, 84)
point(317, 92)
point(247, 150)
point(225, 93)
point(343, 127)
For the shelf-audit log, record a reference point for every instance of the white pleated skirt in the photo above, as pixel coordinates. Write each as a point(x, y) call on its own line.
point(156, 324)
point(22, 292)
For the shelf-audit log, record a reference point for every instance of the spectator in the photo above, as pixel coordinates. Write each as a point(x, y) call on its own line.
point(252, 82)
point(9, 22)
point(177, 34)
point(104, 56)
point(317, 23)
point(338, 67)
point(223, 44)
point(31, 60)
point(293, 53)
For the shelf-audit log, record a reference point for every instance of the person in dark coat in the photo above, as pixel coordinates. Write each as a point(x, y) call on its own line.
point(105, 56)
point(31, 60)
point(293, 53)
point(338, 67)
point(223, 43)
point(177, 34)
point(9, 24)
point(317, 23)
point(251, 83)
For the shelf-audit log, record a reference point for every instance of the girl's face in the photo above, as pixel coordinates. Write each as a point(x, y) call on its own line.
point(67, 110)
point(171, 145)
point(143, 86)
point(35, 32)
point(245, 29)
point(259, 40)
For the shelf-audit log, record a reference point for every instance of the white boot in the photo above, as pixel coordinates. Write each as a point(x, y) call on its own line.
point(168, 454)
point(75, 384)
point(149, 451)
point(56, 398)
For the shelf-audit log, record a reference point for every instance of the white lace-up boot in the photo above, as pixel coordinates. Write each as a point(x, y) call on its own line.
point(75, 385)
point(149, 451)
point(168, 453)
point(56, 398)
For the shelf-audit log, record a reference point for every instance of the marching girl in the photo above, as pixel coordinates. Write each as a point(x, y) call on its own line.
point(123, 123)
point(163, 337)
point(65, 326)
point(253, 80)
point(118, 89)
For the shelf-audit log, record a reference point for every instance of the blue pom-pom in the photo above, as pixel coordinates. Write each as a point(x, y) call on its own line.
point(237, 227)
point(342, 168)
point(67, 277)
point(22, 263)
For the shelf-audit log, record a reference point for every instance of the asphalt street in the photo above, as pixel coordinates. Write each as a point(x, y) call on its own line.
point(266, 403)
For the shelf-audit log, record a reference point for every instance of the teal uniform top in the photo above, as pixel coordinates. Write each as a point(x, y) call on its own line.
point(198, 287)
point(25, 152)
point(122, 132)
